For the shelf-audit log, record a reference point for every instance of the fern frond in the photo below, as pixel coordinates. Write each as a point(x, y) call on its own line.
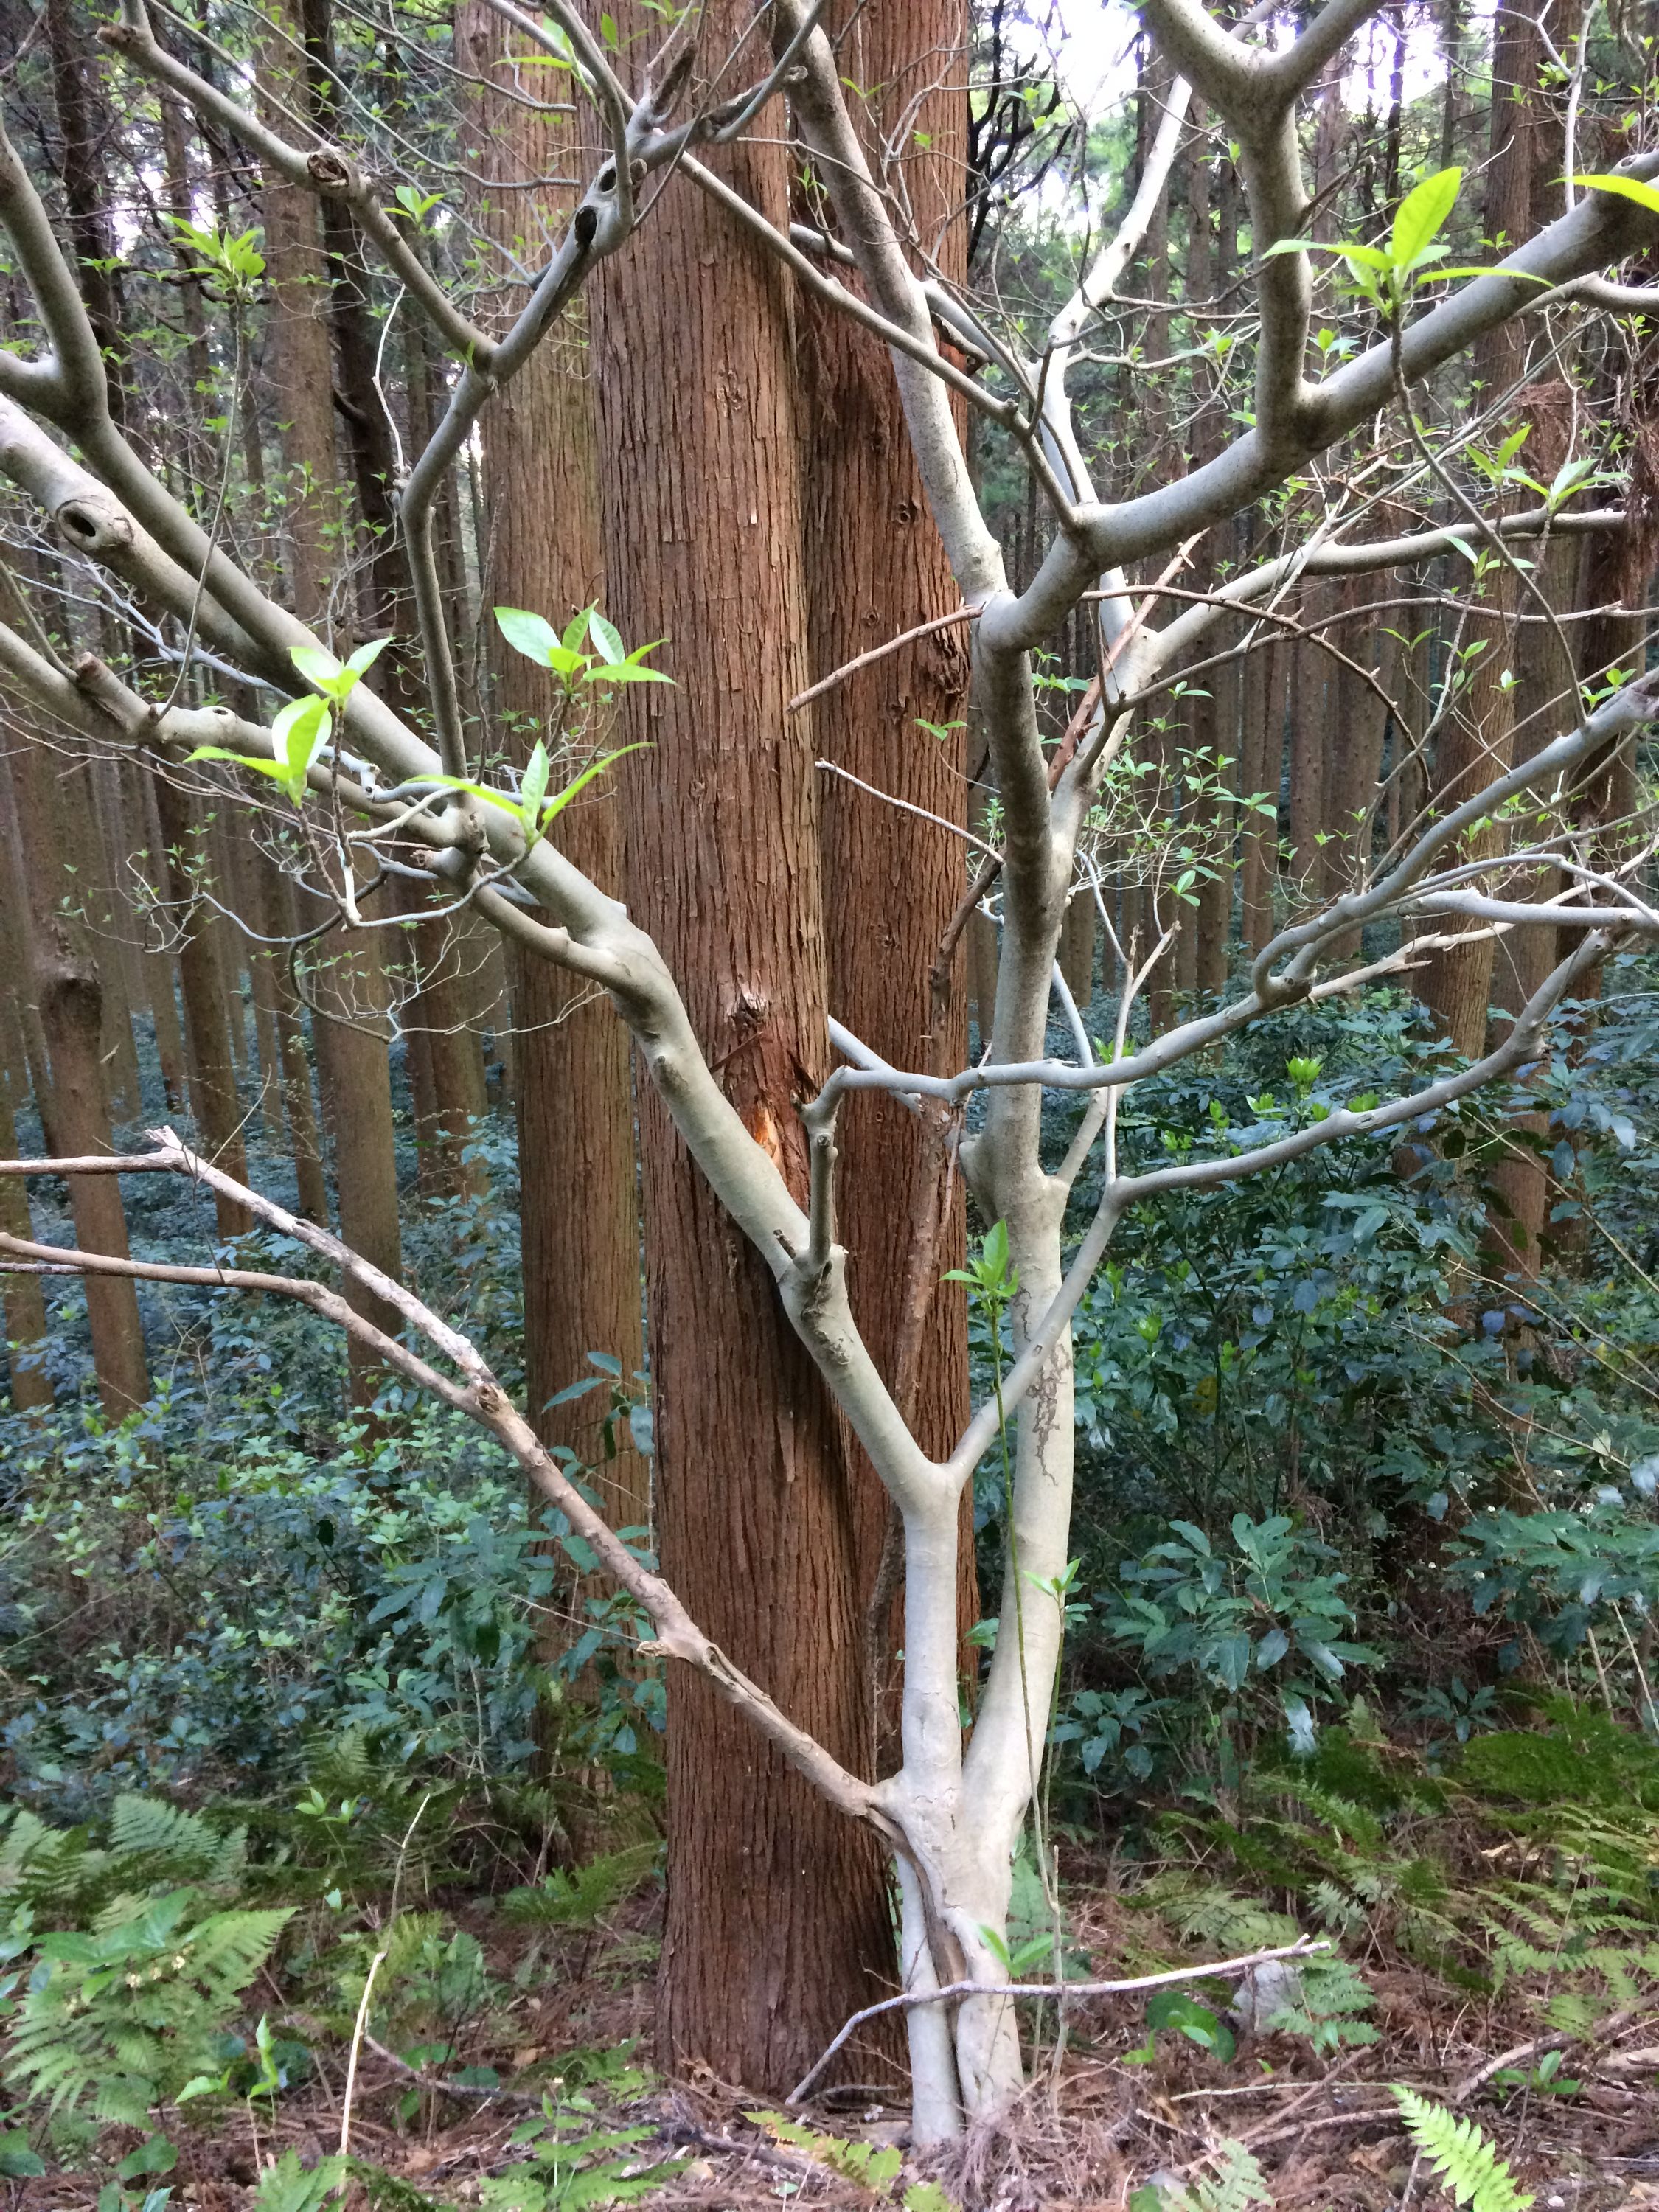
point(578, 1900)
point(1237, 2184)
point(145, 1828)
point(1469, 2167)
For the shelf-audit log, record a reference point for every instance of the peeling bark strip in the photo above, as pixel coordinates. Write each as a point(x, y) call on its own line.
point(740, 1115)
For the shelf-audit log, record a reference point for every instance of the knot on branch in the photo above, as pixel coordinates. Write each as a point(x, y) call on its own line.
point(90, 526)
point(328, 170)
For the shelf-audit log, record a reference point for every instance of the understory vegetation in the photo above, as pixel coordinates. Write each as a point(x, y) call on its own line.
point(326, 1756)
point(828, 1105)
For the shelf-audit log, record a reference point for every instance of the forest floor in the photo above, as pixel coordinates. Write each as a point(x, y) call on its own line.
point(1324, 2129)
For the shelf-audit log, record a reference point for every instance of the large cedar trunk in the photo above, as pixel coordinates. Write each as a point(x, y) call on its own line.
point(579, 1206)
point(777, 1919)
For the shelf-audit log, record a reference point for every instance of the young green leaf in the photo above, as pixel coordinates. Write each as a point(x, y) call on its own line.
point(322, 670)
point(302, 731)
point(607, 638)
point(625, 672)
point(314, 665)
point(529, 635)
point(533, 789)
point(1629, 188)
point(366, 655)
point(1421, 216)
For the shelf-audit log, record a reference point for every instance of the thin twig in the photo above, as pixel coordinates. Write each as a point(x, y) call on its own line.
point(908, 1999)
point(517, 2098)
point(879, 653)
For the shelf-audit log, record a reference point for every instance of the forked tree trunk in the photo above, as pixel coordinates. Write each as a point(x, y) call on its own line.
point(160, 983)
point(446, 1058)
point(63, 982)
point(1214, 707)
point(1546, 704)
point(777, 1925)
point(579, 1215)
point(875, 567)
point(349, 985)
point(83, 123)
point(1261, 753)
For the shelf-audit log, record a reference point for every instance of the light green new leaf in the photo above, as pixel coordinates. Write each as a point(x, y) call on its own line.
point(607, 638)
point(532, 791)
point(276, 768)
point(529, 634)
point(313, 664)
point(1629, 188)
point(299, 734)
point(1503, 269)
point(625, 671)
point(1363, 257)
point(302, 731)
point(533, 818)
point(322, 670)
point(1421, 216)
point(366, 655)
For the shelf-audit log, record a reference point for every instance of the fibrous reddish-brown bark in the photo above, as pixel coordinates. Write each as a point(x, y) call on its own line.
point(24, 1302)
point(777, 1923)
point(572, 1091)
point(217, 1108)
point(63, 981)
point(1477, 739)
point(875, 567)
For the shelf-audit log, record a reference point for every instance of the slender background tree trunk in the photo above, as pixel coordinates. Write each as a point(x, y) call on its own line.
point(579, 1219)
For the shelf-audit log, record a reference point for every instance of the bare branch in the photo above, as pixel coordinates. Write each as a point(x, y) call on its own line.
point(1304, 1947)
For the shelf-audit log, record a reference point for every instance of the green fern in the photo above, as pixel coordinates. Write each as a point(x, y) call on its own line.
point(124, 2016)
point(1237, 2184)
point(1211, 1913)
point(180, 1845)
point(874, 2167)
point(64, 1878)
point(1326, 2007)
point(288, 2186)
point(581, 1898)
point(1469, 2168)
